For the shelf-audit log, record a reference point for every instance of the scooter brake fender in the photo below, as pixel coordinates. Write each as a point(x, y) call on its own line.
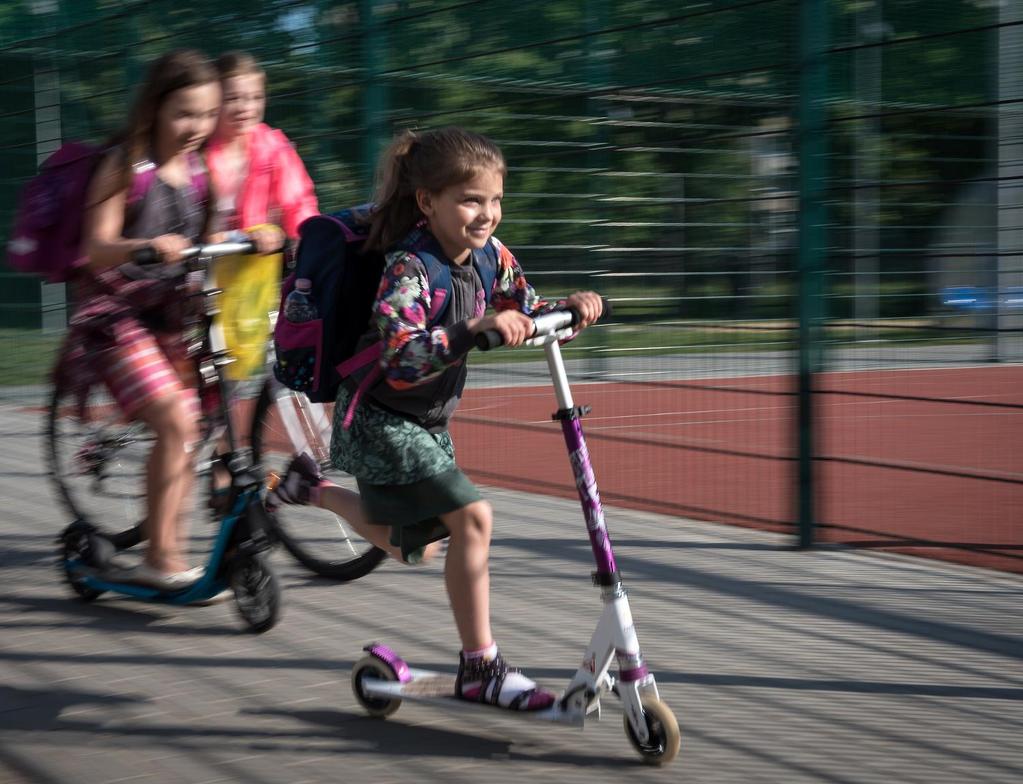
point(393, 661)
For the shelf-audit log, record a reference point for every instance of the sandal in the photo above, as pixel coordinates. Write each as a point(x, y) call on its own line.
point(493, 682)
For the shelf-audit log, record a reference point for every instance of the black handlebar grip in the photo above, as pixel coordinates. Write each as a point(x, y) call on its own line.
point(145, 256)
point(488, 339)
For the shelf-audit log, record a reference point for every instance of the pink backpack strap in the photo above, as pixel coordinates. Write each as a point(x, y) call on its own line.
point(364, 357)
point(365, 384)
point(368, 355)
point(143, 177)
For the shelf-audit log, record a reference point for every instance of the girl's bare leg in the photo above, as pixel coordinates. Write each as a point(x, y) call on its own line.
point(467, 572)
point(168, 478)
point(347, 504)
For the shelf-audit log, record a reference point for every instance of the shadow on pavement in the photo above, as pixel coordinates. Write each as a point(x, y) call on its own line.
point(392, 737)
point(40, 709)
point(116, 615)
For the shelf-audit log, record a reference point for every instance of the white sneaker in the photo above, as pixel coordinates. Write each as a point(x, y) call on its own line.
point(144, 574)
point(225, 595)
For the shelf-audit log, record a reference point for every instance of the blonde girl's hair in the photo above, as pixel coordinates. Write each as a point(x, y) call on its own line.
point(427, 160)
point(231, 64)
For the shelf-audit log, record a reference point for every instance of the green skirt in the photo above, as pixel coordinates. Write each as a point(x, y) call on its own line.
point(407, 476)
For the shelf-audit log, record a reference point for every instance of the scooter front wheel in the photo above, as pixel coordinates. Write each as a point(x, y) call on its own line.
point(257, 593)
point(664, 738)
point(372, 667)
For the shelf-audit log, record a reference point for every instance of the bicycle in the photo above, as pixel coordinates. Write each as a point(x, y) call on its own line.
point(97, 458)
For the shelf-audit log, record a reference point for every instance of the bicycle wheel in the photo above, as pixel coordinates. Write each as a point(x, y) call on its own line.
point(285, 423)
point(97, 458)
point(97, 461)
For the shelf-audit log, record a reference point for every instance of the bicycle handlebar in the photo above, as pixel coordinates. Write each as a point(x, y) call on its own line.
point(147, 256)
point(545, 324)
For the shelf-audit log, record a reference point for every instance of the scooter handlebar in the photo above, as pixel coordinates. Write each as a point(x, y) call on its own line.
point(544, 324)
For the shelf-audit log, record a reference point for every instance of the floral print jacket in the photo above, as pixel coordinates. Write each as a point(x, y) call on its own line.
point(421, 370)
point(413, 352)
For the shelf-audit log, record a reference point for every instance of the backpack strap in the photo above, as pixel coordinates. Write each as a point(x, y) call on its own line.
point(144, 175)
point(486, 261)
point(439, 278)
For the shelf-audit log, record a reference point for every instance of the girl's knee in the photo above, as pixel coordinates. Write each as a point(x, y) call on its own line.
point(173, 420)
point(474, 520)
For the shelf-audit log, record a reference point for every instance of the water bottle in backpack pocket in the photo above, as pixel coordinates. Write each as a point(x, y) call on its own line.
point(298, 305)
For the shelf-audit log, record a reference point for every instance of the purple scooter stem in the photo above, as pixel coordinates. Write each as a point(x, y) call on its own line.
point(589, 496)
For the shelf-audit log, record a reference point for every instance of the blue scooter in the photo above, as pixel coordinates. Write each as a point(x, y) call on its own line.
point(92, 449)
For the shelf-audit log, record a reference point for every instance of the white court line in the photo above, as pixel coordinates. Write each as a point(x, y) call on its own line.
point(602, 428)
point(743, 420)
point(591, 418)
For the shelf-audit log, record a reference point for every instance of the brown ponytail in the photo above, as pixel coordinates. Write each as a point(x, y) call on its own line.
point(432, 161)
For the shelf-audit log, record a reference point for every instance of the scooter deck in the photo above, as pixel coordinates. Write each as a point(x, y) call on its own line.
point(431, 685)
point(439, 688)
point(202, 589)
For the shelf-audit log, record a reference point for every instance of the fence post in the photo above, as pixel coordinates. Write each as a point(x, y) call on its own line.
point(374, 91)
point(1009, 224)
point(812, 115)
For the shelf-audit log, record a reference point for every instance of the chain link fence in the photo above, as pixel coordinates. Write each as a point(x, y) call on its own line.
point(846, 371)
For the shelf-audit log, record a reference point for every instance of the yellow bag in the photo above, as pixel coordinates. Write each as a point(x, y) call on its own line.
point(252, 288)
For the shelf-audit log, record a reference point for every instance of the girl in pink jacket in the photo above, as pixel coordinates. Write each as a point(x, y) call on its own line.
point(257, 175)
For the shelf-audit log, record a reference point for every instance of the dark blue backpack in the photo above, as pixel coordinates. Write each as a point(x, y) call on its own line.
point(314, 356)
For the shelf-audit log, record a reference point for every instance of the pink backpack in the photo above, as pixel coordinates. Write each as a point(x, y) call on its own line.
point(46, 239)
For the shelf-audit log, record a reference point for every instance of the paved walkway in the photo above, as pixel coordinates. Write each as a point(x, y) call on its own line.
point(830, 666)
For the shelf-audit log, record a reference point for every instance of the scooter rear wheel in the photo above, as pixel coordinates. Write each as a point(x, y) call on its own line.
point(665, 739)
point(372, 667)
point(257, 593)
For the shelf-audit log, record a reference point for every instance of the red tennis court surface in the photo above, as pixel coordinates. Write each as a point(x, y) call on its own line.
point(942, 478)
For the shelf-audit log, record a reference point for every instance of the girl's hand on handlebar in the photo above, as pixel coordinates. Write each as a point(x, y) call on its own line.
point(169, 247)
point(513, 326)
point(588, 304)
point(267, 239)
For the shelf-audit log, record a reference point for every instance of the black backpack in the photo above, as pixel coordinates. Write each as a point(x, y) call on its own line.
point(314, 356)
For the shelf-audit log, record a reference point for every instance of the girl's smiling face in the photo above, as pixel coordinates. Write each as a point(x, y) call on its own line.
point(244, 104)
point(463, 217)
point(187, 117)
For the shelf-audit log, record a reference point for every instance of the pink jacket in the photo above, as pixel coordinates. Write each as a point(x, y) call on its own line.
point(276, 180)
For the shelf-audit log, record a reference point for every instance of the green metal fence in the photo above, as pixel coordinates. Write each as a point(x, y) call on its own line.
point(806, 213)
